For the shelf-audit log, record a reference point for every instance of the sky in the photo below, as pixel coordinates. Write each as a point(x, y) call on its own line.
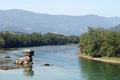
point(108, 8)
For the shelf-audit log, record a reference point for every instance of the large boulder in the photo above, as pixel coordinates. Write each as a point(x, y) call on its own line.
point(23, 60)
point(27, 58)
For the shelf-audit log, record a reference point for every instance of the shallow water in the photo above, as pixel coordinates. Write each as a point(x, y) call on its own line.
point(65, 65)
point(63, 60)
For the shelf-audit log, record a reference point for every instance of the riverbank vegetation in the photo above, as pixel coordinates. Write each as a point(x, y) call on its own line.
point(98, 42)
point(14, 40)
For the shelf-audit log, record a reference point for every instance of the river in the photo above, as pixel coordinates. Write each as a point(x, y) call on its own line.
point(65, 65)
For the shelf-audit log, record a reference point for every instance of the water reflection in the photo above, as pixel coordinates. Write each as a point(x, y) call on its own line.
point(95, 70)
point(28, 71)
point(7, 63)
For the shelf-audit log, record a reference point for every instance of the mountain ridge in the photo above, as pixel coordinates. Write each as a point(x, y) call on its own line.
point(27, 21)
point(115, 28)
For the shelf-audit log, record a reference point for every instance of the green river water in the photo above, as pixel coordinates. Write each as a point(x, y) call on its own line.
point(65, 65)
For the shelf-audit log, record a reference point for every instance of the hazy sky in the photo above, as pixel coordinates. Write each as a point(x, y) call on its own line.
point(65, 7)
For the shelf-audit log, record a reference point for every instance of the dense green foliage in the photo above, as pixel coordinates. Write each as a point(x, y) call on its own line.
point(13, 40)
point(100, 43)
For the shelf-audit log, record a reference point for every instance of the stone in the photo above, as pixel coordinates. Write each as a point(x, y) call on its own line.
point(7, 67)
point(47, 64)
point(26, 59)
point(7, 56)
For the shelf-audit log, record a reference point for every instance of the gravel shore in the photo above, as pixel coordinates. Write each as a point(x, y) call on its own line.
point(109, 60)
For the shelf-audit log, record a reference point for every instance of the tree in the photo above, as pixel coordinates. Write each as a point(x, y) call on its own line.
point(2, 42)
point(99, 42)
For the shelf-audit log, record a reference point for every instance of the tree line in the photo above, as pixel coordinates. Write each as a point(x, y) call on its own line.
point(14, 40)
point(98, 42)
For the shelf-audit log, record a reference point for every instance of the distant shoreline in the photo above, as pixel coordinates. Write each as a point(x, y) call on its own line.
point(104, 59)
point(15, 48)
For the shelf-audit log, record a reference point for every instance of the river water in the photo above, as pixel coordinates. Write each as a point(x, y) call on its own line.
point(65, 65)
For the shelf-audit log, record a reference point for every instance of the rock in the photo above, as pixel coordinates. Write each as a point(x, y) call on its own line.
point(24, 60)
point(7, 56)
point(47, 64)
point(27, 58)
point(2, 62)
point(7, 67)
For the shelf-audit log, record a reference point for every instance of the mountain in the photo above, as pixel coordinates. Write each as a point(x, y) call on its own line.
point(28, 22)
point(116, 28)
